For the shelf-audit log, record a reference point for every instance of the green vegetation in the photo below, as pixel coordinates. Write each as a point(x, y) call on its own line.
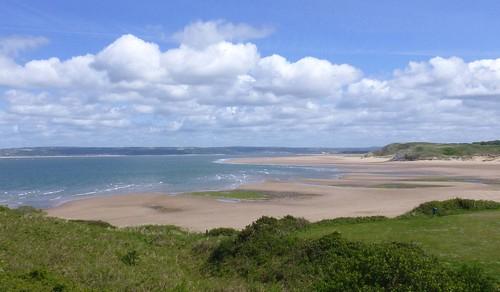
point(417, 252)
point(466, 236)
point(222, 231)
point(269, 251)
point(495, 142)
point(38, 253)
point(453, 206)
point(234, 194)
point(419, 151)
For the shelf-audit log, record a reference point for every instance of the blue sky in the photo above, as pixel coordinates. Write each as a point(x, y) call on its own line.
point(376, 39)
point(376, 36)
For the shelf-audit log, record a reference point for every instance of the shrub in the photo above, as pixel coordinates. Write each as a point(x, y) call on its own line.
point(222, 231)
point(267, 251)
point(351, 220)
point(258, 249)
point(452, 206)
point(97, 223)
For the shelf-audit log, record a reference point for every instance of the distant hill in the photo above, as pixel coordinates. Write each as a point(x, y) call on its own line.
point(422, 151)
point(237, 150)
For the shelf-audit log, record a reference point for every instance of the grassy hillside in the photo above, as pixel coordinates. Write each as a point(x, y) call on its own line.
point(419, 150)
point(456, 234)
point(45, 254)
point(38, 253)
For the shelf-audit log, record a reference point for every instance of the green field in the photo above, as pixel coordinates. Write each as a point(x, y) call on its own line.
point(421, 150)
point(38, 253)
point(472, 237)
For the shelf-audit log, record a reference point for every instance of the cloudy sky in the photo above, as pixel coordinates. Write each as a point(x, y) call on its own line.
point(263, 73)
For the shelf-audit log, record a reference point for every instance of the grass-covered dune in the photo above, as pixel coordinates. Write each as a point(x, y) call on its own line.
point(420, 150)
point(454, 249)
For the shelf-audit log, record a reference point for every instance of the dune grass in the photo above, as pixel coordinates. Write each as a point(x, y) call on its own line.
point(38, 253)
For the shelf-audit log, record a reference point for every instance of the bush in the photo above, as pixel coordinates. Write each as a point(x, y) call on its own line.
point(257, 249)
point(452, 206)
point(267, 251)
point(351, 220)
point(222, 231)
point(97, 223)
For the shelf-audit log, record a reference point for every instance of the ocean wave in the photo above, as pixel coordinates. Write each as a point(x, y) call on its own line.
point(53, 192)
point(25, 193)
point(85, 194)
point(118, 188)
point(221, 161)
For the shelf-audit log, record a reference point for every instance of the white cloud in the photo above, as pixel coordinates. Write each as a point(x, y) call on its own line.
point(130, 58)
point(133, 92)
point(308, 77)
point(13, 45)
point(51, 73)
point(200, 34)
point(220, 61)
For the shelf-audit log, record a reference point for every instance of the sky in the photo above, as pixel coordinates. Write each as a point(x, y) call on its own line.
point(255, 73)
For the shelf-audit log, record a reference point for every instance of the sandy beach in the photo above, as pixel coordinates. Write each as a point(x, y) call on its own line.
point(368, 186)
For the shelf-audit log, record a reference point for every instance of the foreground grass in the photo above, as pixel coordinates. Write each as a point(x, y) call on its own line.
point(38, 253)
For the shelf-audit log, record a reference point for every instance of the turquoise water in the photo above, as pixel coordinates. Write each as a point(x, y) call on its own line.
point(48, 181)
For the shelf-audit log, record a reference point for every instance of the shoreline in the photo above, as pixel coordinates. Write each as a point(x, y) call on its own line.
point(367, 187)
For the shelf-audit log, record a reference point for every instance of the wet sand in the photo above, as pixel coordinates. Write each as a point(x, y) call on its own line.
point(368, 186)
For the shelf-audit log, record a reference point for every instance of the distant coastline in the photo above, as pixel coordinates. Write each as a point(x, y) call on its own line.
point(138, 151)
point(101, 155)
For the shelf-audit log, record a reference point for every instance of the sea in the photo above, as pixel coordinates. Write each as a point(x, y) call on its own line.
point(44, 182)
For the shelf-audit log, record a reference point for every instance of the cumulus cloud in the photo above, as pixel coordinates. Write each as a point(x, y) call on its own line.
point(308, 77)
point(220, 61)
point(200, 34)
point(130, 58)
point(216, 89)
